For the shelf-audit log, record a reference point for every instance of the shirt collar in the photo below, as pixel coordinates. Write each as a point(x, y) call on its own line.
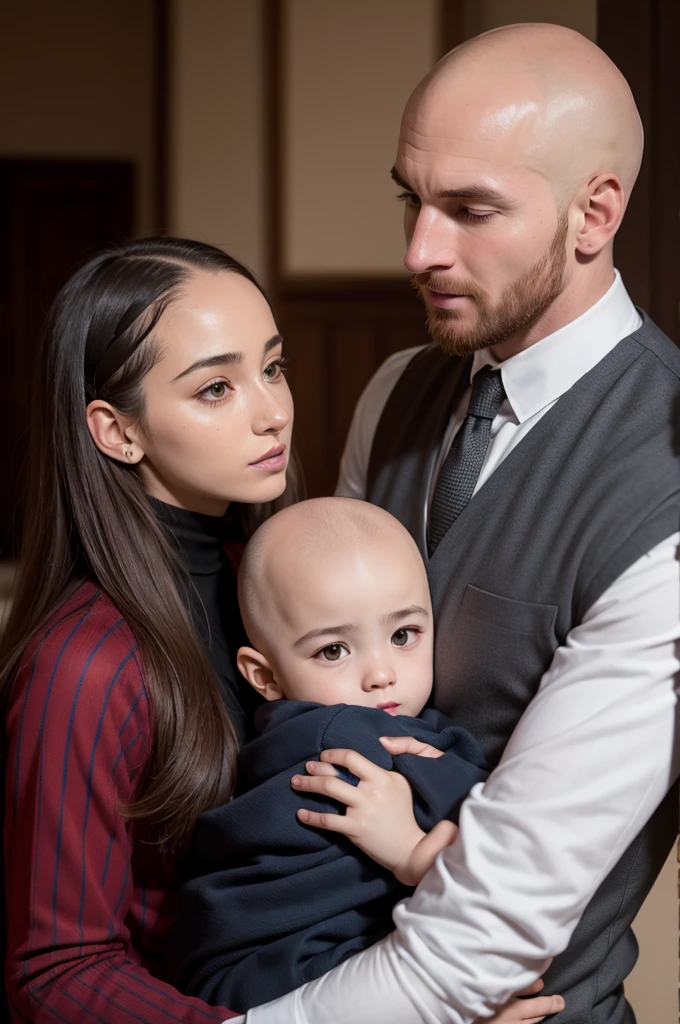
point(540, 374)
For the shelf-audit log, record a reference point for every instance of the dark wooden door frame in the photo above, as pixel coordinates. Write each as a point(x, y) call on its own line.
point(642, 39)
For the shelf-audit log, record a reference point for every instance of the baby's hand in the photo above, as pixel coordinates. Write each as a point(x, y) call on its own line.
point(409, 745)
point(529, 1011)
point(379, 818)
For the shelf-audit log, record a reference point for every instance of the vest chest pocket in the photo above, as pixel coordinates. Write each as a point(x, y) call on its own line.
point(491, 652)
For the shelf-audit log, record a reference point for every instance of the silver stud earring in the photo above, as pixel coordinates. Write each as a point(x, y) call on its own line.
point(129, 453)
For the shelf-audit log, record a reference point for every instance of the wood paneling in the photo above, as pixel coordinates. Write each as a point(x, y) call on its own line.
point(335, 343)
point(339, 329)
point(642, 40)
point(53, 216)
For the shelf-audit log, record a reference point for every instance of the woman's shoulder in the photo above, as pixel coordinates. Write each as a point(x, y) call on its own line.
point(85, 640)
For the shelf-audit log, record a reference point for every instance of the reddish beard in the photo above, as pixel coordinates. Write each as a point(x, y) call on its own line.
point(520, 305)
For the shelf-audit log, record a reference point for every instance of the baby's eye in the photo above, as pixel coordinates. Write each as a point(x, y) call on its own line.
point(334, 652)
point(402, 637)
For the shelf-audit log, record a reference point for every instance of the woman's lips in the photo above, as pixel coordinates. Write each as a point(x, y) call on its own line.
point(274, 459)
point(391, 708)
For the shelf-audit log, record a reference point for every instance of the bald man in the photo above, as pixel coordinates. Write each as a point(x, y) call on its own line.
point(531, 452)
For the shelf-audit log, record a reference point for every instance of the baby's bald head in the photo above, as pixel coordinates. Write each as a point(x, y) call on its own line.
point(335, 601)
point(300, 544)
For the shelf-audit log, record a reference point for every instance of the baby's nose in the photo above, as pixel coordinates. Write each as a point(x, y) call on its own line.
point(379, 675)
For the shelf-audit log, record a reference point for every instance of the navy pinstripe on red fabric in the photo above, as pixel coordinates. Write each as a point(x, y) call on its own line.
point(88, 901)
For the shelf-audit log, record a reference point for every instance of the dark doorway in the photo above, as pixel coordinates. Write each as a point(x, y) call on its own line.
point(53, 216)
point(642, 40)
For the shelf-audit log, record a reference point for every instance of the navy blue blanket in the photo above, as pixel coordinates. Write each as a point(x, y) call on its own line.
point(273, 903)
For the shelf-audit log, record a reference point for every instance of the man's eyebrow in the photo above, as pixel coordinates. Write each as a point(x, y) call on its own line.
point(225, 358)
point(483, 193)
point(325, 631)
point(404, 613)
point(394, 174)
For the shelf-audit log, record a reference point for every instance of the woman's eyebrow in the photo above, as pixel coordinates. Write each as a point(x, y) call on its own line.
point(225, 358)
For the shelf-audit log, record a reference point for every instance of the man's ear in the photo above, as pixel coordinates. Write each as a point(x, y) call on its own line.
point(259, 673)
point(112, 433)
point(603, 209)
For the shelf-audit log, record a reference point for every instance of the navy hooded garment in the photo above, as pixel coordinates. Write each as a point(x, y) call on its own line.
point(273, 903)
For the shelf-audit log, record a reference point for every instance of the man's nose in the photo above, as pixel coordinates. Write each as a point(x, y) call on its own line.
point(429, 246)
point(271, 414)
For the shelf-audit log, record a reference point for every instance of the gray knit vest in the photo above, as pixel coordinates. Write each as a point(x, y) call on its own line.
point(590, 489)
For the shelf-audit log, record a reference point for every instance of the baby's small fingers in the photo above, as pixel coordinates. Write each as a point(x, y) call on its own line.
point(357, 764)
point(326, 786)
point(320, 768)
point(321, 819)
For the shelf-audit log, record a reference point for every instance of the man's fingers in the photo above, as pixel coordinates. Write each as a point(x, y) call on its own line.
point(357, 764)
point(532, 1010)
point(326, 785)
point(409, 745)
point(531, 990)
point(322, 819)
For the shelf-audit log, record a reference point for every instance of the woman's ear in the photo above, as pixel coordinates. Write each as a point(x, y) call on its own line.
point(259, 673)
point(111, 433)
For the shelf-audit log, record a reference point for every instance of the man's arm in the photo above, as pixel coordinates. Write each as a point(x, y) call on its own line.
point(587, 765)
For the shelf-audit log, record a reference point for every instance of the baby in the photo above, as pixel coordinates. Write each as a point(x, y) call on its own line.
point(335, 601)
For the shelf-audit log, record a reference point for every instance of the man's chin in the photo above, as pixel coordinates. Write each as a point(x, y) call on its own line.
point(454, 336)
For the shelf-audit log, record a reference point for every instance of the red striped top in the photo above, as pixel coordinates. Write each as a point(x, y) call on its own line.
point(87, 901)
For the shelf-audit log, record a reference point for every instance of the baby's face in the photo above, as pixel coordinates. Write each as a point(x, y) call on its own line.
point(355, 627)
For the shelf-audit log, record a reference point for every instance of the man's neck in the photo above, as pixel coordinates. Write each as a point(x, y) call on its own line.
point(585, 289)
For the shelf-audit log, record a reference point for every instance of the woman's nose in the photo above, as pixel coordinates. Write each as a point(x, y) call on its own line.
point(271, 415)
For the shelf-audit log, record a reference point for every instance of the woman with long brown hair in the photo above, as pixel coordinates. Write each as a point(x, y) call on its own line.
point(162, 413)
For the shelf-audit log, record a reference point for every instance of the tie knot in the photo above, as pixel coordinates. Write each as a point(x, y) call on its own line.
point(487, 395)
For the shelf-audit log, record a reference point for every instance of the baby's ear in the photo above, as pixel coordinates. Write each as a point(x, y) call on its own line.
point(257, 670)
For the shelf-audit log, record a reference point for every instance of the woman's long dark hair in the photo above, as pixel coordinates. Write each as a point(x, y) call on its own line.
point(88, 515)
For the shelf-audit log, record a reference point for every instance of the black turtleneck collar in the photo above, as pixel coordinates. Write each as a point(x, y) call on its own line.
point(200, 537)
point(212, 601)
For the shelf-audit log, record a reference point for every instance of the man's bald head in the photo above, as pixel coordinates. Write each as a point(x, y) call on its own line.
point(517, 154)
point(296, 547)
point(542, 94)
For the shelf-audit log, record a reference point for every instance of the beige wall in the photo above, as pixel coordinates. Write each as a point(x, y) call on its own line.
point(216, 126)
point(350, 67)
point(481, 15)
point(76, 82)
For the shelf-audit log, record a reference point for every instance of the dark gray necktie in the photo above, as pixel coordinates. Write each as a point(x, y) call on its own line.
point(463, 464)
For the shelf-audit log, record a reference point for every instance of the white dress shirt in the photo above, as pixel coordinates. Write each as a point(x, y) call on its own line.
point(588, 763)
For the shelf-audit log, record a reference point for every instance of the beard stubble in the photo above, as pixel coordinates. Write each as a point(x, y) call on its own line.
point(520, 304)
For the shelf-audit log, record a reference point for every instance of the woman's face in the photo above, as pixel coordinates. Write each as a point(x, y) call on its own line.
point(219, 413)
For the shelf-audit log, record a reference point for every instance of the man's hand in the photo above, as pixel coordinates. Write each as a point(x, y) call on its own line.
point(530, 1011)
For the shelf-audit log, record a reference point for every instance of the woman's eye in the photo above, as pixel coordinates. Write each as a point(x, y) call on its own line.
point(334, 652)
point(275, 369)
point(214, 393)
point(401, 637)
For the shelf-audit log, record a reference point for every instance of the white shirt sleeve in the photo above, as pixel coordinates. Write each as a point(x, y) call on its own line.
point(369, 409)
point(590, 760)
